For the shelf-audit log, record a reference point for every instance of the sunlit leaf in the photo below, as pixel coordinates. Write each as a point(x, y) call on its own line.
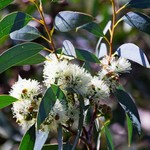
point(138, 20)
point(134, 53)
point(27, 33)
point(68, 48)
point(51, 95)
point(109, 138)
point(139, 4)
point(41, 138)
point(6, 100)
point(93, 28)
point(28, 140)
point(4, 3)
point(36, 59)
point(69, 20)
point(130, 128)
point(129, 107)
point(12, 22)
point(18, 54)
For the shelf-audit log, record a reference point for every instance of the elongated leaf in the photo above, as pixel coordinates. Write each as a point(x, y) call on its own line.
point(93, 28)
point(41, 138)
point(86, 56)
point(138, 21)
point(109, 138)
point(6, 100)
point(68, 49)
point(81, 120)
point(27, 33)
point(139, 4)
point(18, 54)
point(69, 20)
point(13, 22)
point(60, 138)
point(28, 140)
point(130, 128)
point(51, 95)
point(36, 59)
point(4, 3)
point(134, 53)
point(129, 107)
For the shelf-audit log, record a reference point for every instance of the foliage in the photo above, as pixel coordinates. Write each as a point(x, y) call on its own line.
point(72, 96)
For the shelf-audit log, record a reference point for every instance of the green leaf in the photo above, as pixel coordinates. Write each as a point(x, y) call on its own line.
point(51, 95)
point(134, 53)
point(4, 3)
point(28, 140)
point(18, 54)
point(6, 100)
point(69, 20)
point(130, 127)
point(129, 107)
point(93, 28)
point(109, 138)
point(138, 20)
point(36, 59)
point(81, 120)
point(139, 4)
point(13, 22)
point(41, 138)
point(68, 49)
point(27, 33)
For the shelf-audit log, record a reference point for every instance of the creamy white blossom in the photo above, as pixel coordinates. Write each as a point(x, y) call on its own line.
point(58, 115)
point(118, 65)
point(28, 94)
point(97, 90)
point(66, 75)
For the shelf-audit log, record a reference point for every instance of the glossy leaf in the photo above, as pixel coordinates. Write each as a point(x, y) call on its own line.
point(109, 138)
point(138, 21)
point(139, 4)
point(130, 128)
point(28, 140)
point(134, 53)
point(6, 100)
point(13, 22)
point(4, 3)
point(69, 20)
point(81, 120)
point(93, 28)
point(86, 56)
point(17, 54)
point(27, 33)
point(36, 59)
point(129, 107)
point(41, 138)
point(68, 49)
point(51, 95)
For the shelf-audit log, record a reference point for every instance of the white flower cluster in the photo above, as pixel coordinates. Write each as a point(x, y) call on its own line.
point(28, 94)
point(73, 80)
point(112, 67)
